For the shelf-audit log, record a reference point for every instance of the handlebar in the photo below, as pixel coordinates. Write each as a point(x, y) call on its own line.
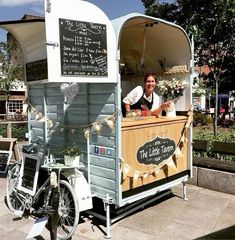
point(34, 148)
point(30, 149)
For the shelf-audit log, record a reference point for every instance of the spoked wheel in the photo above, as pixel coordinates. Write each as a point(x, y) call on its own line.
point(68, 211)
point(15, 200)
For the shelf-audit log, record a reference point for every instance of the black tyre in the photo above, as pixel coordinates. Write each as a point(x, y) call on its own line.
point(15, 199)
point(68, 211)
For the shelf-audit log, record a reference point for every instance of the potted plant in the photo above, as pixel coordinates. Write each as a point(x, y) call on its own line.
point(71, 155)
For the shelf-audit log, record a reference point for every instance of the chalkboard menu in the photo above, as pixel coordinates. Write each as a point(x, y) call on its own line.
point(36, 70)
point(29, 172)
point(4, 160)
point(83, 48)
point(156, 151)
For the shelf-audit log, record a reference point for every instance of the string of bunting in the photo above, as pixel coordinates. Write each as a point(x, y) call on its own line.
point(97, 125)
point(128, 171)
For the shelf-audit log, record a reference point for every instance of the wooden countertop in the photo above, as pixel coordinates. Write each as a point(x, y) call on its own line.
point(152, 120)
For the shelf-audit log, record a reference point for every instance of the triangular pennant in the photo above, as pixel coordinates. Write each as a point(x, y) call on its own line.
point(171, 163)
point(73, 130)
point(165, 170)
point(97, 127)
point(136, 175)
point(50, 123)
point(86, 132)
point(43, 119)
point(156, 171)
point(126, 170)
point(110, 122)
point(178, 153)
point(145, 175)
point(38, 116)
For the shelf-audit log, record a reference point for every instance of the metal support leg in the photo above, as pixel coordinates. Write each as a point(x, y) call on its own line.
point(108, 220)
point(184, 191)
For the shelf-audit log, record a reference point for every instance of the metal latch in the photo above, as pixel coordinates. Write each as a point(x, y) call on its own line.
point(53, 44)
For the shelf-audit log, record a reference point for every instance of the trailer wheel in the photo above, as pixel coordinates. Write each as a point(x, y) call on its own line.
point(15, 200)
point(68, 211)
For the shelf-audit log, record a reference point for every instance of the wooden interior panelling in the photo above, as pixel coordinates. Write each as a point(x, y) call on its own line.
point(136, 133)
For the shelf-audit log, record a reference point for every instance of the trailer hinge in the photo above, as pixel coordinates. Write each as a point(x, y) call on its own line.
point(108, 200)
point(53, 44)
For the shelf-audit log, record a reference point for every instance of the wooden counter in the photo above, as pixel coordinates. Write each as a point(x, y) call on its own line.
point(149, 136)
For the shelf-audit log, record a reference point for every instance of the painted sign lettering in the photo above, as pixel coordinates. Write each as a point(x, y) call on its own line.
point(156, 151)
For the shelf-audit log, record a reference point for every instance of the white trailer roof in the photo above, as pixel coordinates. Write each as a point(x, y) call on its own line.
point(149, 39)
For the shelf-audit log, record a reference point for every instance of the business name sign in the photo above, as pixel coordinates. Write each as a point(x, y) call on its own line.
point(156, 151)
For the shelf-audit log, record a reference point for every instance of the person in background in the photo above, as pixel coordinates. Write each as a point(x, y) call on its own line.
point(144, 98)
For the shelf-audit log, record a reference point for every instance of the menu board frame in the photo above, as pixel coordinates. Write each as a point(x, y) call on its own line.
point(36, 70)
point(83, 48)
point(4, 165)
point(23, 181)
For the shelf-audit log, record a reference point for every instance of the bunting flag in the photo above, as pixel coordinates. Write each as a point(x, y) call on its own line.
point(170, 163)
point(97, 125)
point(86, 132)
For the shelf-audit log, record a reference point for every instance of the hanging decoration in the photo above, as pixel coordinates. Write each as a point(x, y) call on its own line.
point(70, 90)
point(97, 125)
point(110, 122)
point(171, 162)
point(73, 130)
point(39, 117)
point(86, 132)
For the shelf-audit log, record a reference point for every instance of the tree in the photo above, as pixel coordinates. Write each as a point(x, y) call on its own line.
point(10, 69)
point(212, 24)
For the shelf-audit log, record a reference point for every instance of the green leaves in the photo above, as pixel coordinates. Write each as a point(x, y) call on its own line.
point(11, 67)
point(71, 150)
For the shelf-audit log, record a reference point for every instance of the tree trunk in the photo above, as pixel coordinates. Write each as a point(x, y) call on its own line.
point(216, 106)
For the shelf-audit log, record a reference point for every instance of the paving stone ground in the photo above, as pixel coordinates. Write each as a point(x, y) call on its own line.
point(206, 215)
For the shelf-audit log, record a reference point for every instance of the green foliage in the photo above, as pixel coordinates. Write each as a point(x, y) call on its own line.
point(10, 67)
point(212, 25)
point(226, 123)
point(71, 150)
point(18, 131)
point(206, 133)
point(200, 119)
point(3, 131)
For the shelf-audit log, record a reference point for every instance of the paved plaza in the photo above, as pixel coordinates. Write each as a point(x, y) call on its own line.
point(206, 215)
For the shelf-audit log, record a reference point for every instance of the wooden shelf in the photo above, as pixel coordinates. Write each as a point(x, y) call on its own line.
point(176, 72)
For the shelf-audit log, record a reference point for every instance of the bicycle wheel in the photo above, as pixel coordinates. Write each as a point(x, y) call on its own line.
point(15, 200)
point(68, 211)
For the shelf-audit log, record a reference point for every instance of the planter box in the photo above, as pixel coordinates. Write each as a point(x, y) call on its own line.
point(71, 160)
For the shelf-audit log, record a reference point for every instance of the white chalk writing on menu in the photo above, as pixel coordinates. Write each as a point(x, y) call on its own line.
point(156, 151)
point(83, 48)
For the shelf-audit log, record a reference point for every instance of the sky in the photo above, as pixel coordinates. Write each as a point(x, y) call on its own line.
point(15, 9)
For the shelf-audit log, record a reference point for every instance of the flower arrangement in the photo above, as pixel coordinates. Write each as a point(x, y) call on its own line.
point(71, 150)
point(171, 89)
